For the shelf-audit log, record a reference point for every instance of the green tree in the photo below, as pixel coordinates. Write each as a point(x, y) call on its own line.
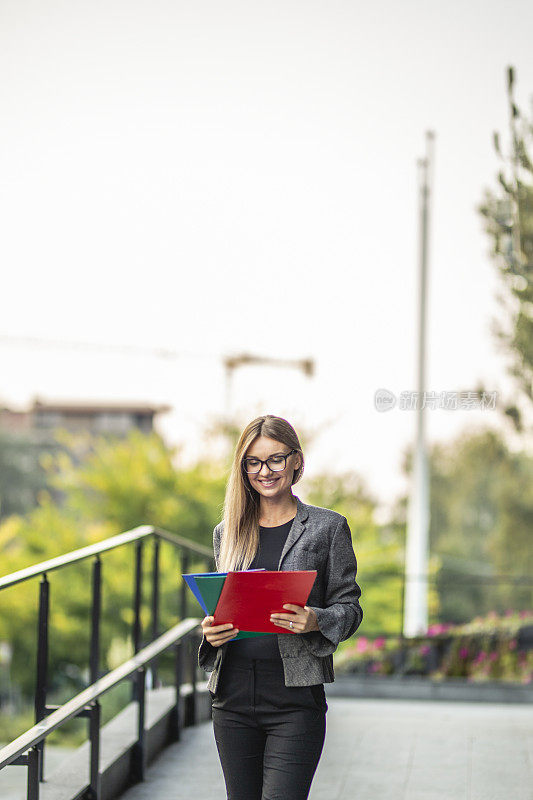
point(508, 215)
point(481, 522)
point(379, 548)
point(118, 485)
point(138, 480)
point(21, 475)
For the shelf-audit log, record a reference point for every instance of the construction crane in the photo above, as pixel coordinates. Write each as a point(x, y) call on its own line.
point(231, 363)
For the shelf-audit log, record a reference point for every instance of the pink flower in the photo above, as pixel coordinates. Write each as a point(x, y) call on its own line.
point(374, 667)
point(493, 656)
point(380, 642)
point(512, 644)
point(362, 644)
point(424, 649)
point(509, 612)
point(463, 652)
point(439, 627)
point(524, 614)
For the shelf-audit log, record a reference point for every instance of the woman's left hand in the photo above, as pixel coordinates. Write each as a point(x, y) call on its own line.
point(303, 619)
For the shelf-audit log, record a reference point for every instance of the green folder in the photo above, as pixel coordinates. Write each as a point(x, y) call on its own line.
point(210, 587)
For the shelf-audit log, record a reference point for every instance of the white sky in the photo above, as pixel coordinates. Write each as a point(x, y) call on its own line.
point(220, 176)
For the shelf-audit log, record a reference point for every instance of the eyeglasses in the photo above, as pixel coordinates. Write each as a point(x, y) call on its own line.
point(275, 463)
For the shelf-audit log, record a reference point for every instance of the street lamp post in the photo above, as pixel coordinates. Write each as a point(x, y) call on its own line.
point(417, 551)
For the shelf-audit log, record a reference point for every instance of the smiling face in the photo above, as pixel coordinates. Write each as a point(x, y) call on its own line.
point(270, 483)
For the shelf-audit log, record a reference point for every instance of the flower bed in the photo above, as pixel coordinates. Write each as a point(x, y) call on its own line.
point(491, 648)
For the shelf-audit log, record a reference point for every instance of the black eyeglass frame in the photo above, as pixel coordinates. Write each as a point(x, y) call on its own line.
point(277, 455)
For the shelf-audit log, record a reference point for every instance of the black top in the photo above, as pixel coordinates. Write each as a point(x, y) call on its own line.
point(271, 542)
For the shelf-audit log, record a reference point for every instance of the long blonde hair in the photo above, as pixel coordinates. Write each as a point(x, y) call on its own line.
point(240, 538)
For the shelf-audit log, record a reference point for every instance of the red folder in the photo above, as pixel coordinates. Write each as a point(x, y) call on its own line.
point(248, 599)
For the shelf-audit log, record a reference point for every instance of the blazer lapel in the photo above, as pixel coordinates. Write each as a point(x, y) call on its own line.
point(297, 528)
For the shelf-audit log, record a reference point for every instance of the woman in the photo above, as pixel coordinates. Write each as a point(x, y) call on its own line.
point(268, 700)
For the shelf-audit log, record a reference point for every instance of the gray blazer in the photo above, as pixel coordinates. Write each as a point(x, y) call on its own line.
point(318, 539)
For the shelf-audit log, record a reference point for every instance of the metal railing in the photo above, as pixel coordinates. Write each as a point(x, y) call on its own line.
point(28, 748)
point(457, 582)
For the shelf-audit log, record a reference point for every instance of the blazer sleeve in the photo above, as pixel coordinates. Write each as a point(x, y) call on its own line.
point(206, 652)
point(342, 614)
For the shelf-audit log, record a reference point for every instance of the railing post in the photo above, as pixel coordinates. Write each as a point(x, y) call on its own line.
point(137, 601)
point(178, 673)
point(155, 605)
point(94, 656)
point(183, 596)
point(42, 664)
point(137, 597)
point(194, 700)
point(139, 754)
point(94, 737)
point(94, 671)
point(34, 760)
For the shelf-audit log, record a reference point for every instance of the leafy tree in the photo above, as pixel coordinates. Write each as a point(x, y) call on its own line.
point(21, 474)
point(508, 215)
point(118, 485)
point(379, 548)
point(138, 480)
point(481, 522)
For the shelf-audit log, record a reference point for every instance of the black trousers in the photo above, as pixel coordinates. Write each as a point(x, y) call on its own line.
point(269, 736)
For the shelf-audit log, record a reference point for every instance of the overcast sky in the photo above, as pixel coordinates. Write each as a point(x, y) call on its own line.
point(217, 177)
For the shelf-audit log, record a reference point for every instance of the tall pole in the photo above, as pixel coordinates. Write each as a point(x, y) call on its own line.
point(417, 551)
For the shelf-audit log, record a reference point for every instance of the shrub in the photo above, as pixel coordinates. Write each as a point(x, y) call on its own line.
point(486, 648)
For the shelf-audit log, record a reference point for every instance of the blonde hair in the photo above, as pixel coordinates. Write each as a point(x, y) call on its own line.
point(240, 537)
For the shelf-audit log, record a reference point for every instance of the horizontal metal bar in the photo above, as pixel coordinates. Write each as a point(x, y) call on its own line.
point(85, 712)
point(180, 541)
point(76, 555)
point(451, 575)
point(141, 532)
point(72, 708)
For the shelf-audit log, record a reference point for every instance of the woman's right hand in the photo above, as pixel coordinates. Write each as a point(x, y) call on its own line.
point(218, 634)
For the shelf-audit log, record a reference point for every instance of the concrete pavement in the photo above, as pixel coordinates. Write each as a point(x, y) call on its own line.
point(381, 750)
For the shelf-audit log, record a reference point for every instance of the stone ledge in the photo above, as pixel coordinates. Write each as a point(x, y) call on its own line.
point(417, 688)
